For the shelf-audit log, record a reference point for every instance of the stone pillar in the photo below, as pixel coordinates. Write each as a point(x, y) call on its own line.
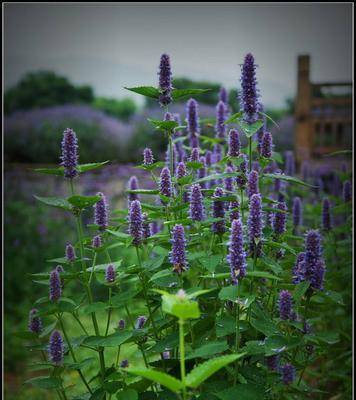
point(303, 131)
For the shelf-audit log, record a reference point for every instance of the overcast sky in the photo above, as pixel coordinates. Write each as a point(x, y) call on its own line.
point(109, 46)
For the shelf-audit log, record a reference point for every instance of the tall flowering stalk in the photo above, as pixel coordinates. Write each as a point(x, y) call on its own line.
point(178, 253)
point(70, 253)
point(236, 257)
point(297, 210)
point(279, 223)
point(220, 127)
point(193, 123)
point(55, 286)
point(267, 145)
point(253, 184)
point(234, 143)
point(135, 222)
point(249, 93)
point(56, 348)
point(165, 80)
point(165, 183)
point(69, 155)
point(133, 185)
point(101, 212)
point(218, 206)
point(147, 156)
point(34, 322)
point(255, 223)
point(196, 207)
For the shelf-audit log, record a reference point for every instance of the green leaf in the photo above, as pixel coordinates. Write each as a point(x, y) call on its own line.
point(208, 349)
point(48, 329)
point(162, 378)
point(272, 120)
point(143, 191)
point(163, 125)
point(217, 176)
point(287, 178)
point(233, 118)
point(299, 292)
point(45, 382)
point(55, 202)
point(250, 129)
point(203, 371)
point(91, 166)
point(128, 394)
point(116, 339)
point(242, 392)
point(183, 309)
point(262, 274)
point(59, 171)
point(25, 335)
point(228, 293)
point(83, 201)
point(80, 365)
point(147, 91)
point(181, 93)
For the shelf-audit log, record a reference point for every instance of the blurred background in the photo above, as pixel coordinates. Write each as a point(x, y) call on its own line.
point(66, 65)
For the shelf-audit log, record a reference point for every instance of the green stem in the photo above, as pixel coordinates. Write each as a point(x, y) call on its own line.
point(109, 313)
point(129, 316)
point(250, 154)
point(171, 153)
point(80, 324)
point(182, 355)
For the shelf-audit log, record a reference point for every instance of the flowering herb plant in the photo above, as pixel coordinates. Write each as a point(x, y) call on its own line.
point(230, 274)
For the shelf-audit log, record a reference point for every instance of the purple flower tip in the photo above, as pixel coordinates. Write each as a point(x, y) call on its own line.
point(147, 156)
point(165, 182)
point(70, 253)
point(133, 185)
point(218, 211)
point(124, 364)
point(279, 222)
point(178, 254)
point(234, 143)
point(249, 93)
point(285, 304)
point(297, 211)
point(236, 257)
point(121, 324)
point(96, 242)
point(181, 170)
point(136, 222)
point(193, 122)
point(56, 348)
point(101, 212)
point(287, 374)
point(140, 322)
point(110, 274)
point(165, 80)
point(55, 286)
point(267, 145)
point(34, 322)
point(69, 155)
point(253, 183)
point(196, 209)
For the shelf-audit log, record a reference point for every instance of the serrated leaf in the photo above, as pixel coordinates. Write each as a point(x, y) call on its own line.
point(147, 91)
point(162, 378)
point(208, 349)
point(143, 191)
point(59, 171)
point(88, 167)
point(55, 202)
point(181, 93)
point(128, 394)
point(233, 118)
point(299, 292)
point(45, 382)
point(181, 309)
point(250, 129)
point(163, 125)
point(83, 201)
point(203, 371)
point(116, 339)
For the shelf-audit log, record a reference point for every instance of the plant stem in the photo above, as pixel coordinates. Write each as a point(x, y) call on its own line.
point(80, 324)
point(109, 313)
point(182, 355)
point(250, 153)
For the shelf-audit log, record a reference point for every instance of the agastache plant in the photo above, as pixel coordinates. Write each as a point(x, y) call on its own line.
point(200, 277)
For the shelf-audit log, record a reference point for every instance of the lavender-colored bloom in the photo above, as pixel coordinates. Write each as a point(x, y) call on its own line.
point(195, 154)
point(347, 192)
point(317, 279)
point(147, 156)
point(218, 211)
point(181, 170)
point(165, 183)
point(193, 123)
point(146, 227)
point(101, 212)
point(34, 321)
point(287, 374)
point(56, 348)
point(133, 185)
point(121, 324)
point(249, 94)
point(234, 143)
point(272, 362)
point(70, 253)
point(69, 155)
point(135, 222)
point(256, 166)
point(313, 266)
point(96, 242)
point(177, 255)
point(168, 117)
point(242, 168)
point(217, 152)
point(124, 364)
point(298, 272)
point(223, 96)
point(297, 210)
point(236, 257)
point(208, 158)
point(140, 322)
point(165, 80)
point(110, 274)
point(60, 270)
point(155, 227)
point(196, 208)
point(166, 355)
point(220, 126)
point(267, 145)
point(277, 184)
point(285, 304)
point(289, 164)
point(305, 170)
point(279, 223)
point(234, 207)
point(229, 182)
point(255, 222)
point(252, 186)
point(326, 215)
point(55, 286)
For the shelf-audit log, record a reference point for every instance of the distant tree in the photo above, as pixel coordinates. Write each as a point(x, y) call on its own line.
point(122, 109)
point(43, 89)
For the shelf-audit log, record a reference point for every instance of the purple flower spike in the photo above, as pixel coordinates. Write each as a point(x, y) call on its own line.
point(155, 227)
point(208, 158)
point(166, 355)
point(249, 94)
point(55, 286)
point(298, 273)
point(121, 324)
point(236, 257)
point(317, 279)
point(195, 154)
point(101, 212)
point(287, 374)
point(241, 180)
point(289, 164)
point(96, 242)
point(69, 155)
point(347, 192)
point(193, 123)
point(218, 211)
point(313, 266)
point(165, 183)
point(267, 145)
point(168, 117)
point(223, 96)
point(133, 185)
point(178, 255)
point(110, 274)
point(217, 152)
point(234, 208)
point(326, 215)
point(297, 212)
point(253, 186)
point(285, 304)
point(140, 322)
point(147, 156)
point(165, 80)
point(146, 227)
point(181, 170)
point(196, 209)
point(124, 364)
point(234, 143)
point(220, 128)
point(135, 222)
point(56, 348)
point(70, 253)
point(34, 322)
point(279, 222)
point(255, 223)
point(229, 182)
point(272, 362)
